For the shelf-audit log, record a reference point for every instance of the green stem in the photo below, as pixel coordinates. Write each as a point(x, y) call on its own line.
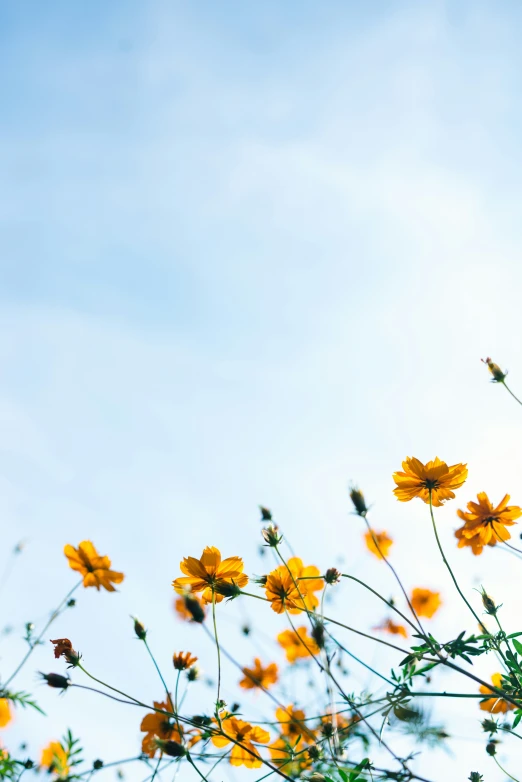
point(479, 621)
point(517, 400)
point(35, 643)
point(503, 769)
point(218, 650)
point(176, 702)
point(157, 668)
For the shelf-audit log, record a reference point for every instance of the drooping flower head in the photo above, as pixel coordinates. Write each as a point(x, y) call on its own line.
point(297, 645)
point(379, 543)
point(425, 602)
point(435, 477)
point(259, 677)
point(96, 570)
point(244, 733)
point(486, 525)
point(56, 759)
point(158, 726)
point(494, 704)
point(208, 573)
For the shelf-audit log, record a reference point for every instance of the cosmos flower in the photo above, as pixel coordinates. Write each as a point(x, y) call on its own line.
point(379, 543)
point(297, 645)
point(485, 525)
point(418, 479)
point(183, 660)
point(259, 677)
point(95, 570)
point(5, 712)
point(425, 602)
point(158, 726)
point(238, 730)
point(494, 705)
point(389, 626)
point(210, 571)
point(56, 759)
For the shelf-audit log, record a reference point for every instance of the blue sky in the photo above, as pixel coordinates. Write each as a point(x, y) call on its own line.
point(250, 252)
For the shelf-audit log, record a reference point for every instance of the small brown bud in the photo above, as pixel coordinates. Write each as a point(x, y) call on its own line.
point(266, 515)
point(171, 748)
point(56, 680)
point(139, 629)
point(357, 497)
point(332, 575)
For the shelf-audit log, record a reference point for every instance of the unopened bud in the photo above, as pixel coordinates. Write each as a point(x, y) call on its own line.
point(266, 515)
point(357, 497)
point(97, 764)
point(56, 680)
point(171, 748)
point(318, 634)
point(498, 375)
point(271, 535)
point(475, 776)
point(227, 589)
point(194, 608)
point(332, 575)
point(139, 629)
point(491, 748)
point(314, 752)
point(488, 603)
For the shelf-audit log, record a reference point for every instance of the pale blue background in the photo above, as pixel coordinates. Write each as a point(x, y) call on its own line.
point(250, 251)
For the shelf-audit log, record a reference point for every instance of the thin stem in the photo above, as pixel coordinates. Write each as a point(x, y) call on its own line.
point(390, 605)
point(519, 402)
point(218, 650)
point(176, 701)
point(500, 767)
point(49, 622)
point(480, 622)
point(157, 668)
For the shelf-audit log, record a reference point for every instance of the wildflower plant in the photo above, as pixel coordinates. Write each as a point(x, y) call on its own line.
point(333, 731)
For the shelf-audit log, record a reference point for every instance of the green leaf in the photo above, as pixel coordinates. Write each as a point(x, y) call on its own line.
point(517, 645)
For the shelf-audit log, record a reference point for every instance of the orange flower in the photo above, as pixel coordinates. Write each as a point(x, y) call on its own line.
point(484, 524)
point(94, 569)
point(190, 608)
point(379, 543)
point(495, 704)
point(297, 645)
point(61, 646)
point(4, 754)
point(5, 712)
point(425, 602)
point(292, 587)
point(205, 574)
point(158, 726)
point(183, 660)
point(390, 627)
point(247, 754)
point(281, 590)
point(292, 724)
point(56, 759)
point(419, 479)
point(258, 676)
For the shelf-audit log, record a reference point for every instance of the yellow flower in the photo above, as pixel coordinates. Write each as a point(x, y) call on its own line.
point(247, 754)
point(390, 627)
point(158, 726)
point(292, 724)
point(258, 676)
point(190, 608)
point(484, 524)
point(418, 479)
point(292, 587)
point(281, 590)
point(205, 574)
point(425, 602)
point(379, 543)
point(56, 759)
point(5, 712)
point(498, 375)
point(297, 645)
point(94, 569)
point(183, 660)
point(494, 705)
point(291, 756)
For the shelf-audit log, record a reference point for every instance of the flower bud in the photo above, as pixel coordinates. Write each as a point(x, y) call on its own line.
point(171, 748)
point(266, 515)
point(327, 729)
point(227, 589)
point(139, 629)
point(97, 765)
point(314, 752)
point(195, 609)
point(261, 580)
point(271, 535)
point(475, 776)
point(56, 680)
point(317, 777)
point(498, 375)
point(332, 575)
point(357, 497)
point(318, 634)
point(491, 748)
point(193, 673)
point(488, 603)
point(29, 764)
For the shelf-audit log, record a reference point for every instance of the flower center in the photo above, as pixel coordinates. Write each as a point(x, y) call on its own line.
point(430, 483)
